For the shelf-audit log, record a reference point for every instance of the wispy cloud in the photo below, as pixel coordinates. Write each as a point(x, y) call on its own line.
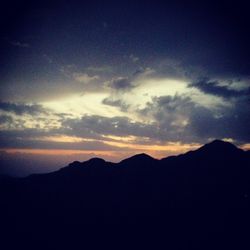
point(84, 77)
point(20, 109)
point(20, 44)
point(134, 58)
point(215, 88)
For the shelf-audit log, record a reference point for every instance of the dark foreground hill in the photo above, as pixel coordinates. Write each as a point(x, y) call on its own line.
point(198, 200)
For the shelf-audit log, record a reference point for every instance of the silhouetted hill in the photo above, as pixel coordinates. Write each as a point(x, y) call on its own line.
point(197, 200)
point(218, 149)
point(139, 158)
point(92, 164)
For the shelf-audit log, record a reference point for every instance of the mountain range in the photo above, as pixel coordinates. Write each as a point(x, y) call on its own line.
point(197, 200)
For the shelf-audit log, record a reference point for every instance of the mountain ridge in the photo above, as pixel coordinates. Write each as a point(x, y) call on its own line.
point(215, 146)
point(212, 146)
point(196, 197)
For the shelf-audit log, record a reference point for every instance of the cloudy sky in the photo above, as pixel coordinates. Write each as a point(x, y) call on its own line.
point(115, 78)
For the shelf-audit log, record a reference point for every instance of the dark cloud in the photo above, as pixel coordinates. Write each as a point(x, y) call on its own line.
point(31, 143)
point(231, 122)
point(17, 138)
point(170, 114)
point(20, 109)
point(116, 103)
point(5, 119)
point(121, 84)
point(214, 88)
point(167, 108)
point(94, 126)
point(180, 119)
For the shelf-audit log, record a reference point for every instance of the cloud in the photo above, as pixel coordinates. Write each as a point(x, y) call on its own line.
point(71, 71)
point(167, 118)
point(13, 140)
point(121, 84)
point(95, 126)
point(20, 109)
point(163, 119)
point(125, 84)
point(134, 58)
point(144, 72)
point(84, 77)
point(232, 122)
point(116, 103)
point(101, 69)
point(180, 118)
point(5, 119)
point(19, 44)
point(170, 114)
point(215, 88)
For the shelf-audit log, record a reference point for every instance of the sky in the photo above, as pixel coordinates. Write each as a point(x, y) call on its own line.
point(109, 79)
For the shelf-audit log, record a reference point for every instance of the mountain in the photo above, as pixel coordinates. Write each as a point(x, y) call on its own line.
point(197, 200)
point(139, 158)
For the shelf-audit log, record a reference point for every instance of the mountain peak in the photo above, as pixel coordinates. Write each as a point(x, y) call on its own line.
point(95, 160)
point(220, 144)
point(139, 158)
point(219, 147)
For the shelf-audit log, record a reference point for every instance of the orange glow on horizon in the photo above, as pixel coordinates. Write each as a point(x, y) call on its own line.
point(62, 138)
point(156, 151)
point(172, 147)
point(245, 146)
point(56, 151)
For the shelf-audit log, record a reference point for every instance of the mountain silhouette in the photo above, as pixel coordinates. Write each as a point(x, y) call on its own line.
point(196, 200)
point(139, 158)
